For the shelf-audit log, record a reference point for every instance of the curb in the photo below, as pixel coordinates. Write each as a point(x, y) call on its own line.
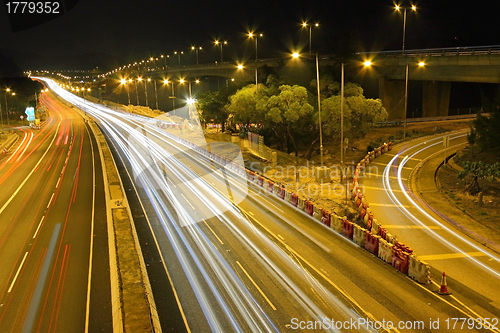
point(123, 311)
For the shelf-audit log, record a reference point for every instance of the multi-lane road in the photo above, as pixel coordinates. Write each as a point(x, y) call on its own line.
point(52, 217)
point(242, 260)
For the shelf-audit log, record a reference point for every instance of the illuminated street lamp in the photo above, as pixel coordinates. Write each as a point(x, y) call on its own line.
point(366, 64)
point(398, 8)
point(420, 64)
point(197, 49)
point(173, 94)
point(179, 56)
point(297, 55)
point(139, 79)
point(124, 82)
point(253, 35)
point(146, 91)
point(165, 58)
point(221, 44)
point(305, 25)
point(6, 105)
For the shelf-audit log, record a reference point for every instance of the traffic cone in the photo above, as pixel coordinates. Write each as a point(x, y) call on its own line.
point(443, 289)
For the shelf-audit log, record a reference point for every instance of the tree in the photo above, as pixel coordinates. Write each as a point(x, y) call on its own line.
point(360, 114)
point(287, 111)
point(488, 129)
point(212, 109)
point(478, 170)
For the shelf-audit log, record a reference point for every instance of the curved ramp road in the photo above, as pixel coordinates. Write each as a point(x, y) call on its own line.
point(241, 260)
point(51, 204)
point(433, 236)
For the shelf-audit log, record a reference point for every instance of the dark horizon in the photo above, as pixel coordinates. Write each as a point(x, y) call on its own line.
point(128, 30)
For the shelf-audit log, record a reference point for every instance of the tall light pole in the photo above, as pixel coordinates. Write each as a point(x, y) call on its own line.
point(253, 35)
point(197, 49)
point(124, 82)
point(414, 8)
point(305, 25)
point(173, 94)
point(146, 91)
point(221, 43)
point(6, 105)
point(165, 59)
point(420, 64)
point(296, 55)
point(366, 63)
point(179, 56)
point(139, 79)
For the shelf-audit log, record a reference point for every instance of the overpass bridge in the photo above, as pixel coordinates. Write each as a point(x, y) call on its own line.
point(443, 66)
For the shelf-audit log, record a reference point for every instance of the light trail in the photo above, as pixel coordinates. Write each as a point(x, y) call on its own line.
point(151, 152)
point(414, 219)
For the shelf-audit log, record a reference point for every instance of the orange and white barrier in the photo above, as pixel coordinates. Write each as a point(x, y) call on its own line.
point(326, 217)
point(347, 228)
point(301, 203)
point(371, 243)
point(317, 212)
point(336, 223)
point(419, 270)
point(385, 250)
point(288, 196)
point(359, 235)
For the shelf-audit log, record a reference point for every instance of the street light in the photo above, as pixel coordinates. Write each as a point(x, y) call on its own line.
point(367, 63)
point(179, 56)
point(173, 94)
point(221, 44)
point(6, 105)
point(196, 48)
point(139, 79)
point(398, 7)
point(253, 35)
point(124, 82)
point(305, 25)
point(420, 64)
point(297, 55)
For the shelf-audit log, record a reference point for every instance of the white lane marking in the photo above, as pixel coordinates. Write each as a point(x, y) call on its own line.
point(220, 241)
point(17, 273)
point(58, 181)
point(249, 212)
point(32, 171)
point(50, 199)
point(39, 225)
point(187, 201)
point(282, 238)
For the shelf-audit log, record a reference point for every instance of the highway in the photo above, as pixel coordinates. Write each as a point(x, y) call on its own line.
point(51, 205)
point(241, 260)
point(472, 268)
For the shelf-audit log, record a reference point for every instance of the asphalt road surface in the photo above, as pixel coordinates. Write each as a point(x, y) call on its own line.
point(241, 259)
point(53, 240)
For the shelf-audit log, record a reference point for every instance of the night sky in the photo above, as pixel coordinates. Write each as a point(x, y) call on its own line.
point(132, 30)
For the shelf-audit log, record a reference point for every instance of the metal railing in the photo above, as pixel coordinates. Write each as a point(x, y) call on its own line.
point(438, 52)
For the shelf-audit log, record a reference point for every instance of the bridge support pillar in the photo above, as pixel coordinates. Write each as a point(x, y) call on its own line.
point(392, 94)
point(435, 98)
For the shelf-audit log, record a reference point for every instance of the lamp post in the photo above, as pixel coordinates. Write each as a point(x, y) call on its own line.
point(296, 55)
point(6, 105)
point(305, 25)
point(414, 8)
point(197, 49)
point(173, 94)
point(139, 79)
point(165, 59)
point(420, 64)
point(146, 91)
point(221, 44)
point(342, 75)
point(124, 82)
point(179, 56)
point(253, 35)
